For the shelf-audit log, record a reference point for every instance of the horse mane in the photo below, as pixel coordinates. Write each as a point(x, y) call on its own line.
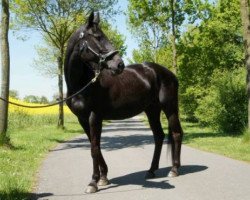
point(74, 66)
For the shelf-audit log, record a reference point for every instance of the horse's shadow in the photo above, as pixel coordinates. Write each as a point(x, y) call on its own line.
point(138, 178)
point(110, 143)
point(19, 194)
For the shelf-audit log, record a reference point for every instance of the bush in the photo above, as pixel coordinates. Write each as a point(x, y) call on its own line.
point(189, 102)
point(224, 108)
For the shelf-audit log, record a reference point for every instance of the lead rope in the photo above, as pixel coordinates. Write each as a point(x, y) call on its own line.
point(58, 102)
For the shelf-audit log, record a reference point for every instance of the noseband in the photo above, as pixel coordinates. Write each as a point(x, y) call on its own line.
point(102, 63)
point(102, 57)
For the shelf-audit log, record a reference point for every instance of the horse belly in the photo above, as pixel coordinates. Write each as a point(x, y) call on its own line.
point(123, 113)
point(128, 108)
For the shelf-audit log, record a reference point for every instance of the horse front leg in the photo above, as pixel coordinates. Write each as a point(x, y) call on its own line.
point(95, 135)
point(102, 164)
point(103, 181)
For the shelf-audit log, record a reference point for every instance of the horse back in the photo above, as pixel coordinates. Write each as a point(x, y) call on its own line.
point(131, 92)
point(167, 84)
point(164, 83)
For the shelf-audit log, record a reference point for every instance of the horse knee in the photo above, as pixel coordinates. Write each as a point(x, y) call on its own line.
point(95, 152)
point(161, 138)
point(177, 136)
point(174, 123)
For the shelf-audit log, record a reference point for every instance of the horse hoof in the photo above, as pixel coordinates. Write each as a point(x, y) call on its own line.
point(150, 175)
point(172, 174)
point(91, 189)
point(103, 181)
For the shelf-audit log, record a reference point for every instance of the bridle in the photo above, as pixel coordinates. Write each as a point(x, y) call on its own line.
point(102, 63)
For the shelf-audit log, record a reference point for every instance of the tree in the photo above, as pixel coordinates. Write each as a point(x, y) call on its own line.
point(56, 20)
point(245, 14)
point(45, 62)
point(173, 11)
point(31, 99)
point(146, 20)
point(158, 24)
point(43, 100)
point(35, 99)
point(5, 69)
point(214, 44)
point(14, 94)
point(224, 108)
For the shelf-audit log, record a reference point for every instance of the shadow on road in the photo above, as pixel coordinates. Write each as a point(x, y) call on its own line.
point(138, 178)
point(189, 169)
point(127, 129)
point(16, 194)
point(110, 143)
point(34, 196)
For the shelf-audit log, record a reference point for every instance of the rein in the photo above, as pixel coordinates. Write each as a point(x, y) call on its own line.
point(58, 102)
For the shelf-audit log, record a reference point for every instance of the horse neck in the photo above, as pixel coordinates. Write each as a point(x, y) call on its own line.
point(78, 76)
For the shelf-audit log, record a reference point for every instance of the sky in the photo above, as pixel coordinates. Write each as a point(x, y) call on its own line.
point(27, 80)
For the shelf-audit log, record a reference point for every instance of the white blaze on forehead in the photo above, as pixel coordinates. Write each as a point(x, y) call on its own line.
point(81, 35)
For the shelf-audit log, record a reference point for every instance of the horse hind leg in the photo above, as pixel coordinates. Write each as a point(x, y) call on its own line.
point(169, 103)
point(175, 138)
point(153, 115)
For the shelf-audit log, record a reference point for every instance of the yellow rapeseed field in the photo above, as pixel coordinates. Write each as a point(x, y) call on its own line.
point(38, 111)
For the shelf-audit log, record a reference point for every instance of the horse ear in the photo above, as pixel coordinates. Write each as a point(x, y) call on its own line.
point(91, 20)
point(97, 18)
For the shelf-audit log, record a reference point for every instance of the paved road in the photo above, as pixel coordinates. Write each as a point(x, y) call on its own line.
point(128, 147)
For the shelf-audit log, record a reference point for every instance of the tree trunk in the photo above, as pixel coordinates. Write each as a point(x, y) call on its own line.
point(172, 2)
point(60, 123)
point(5, 69)
point(155, 44)
point(244, 7)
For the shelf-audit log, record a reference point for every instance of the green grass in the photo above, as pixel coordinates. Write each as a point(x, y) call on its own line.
point(236, 147)
point(32, 138)
point(246, 136)
point(20, 161)
point(21, 120)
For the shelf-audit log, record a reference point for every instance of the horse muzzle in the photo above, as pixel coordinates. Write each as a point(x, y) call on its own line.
point(116, 65)
point(120, 68)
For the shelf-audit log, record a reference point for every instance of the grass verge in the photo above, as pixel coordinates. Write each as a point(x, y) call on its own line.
point(236, 147)
point(20, 161)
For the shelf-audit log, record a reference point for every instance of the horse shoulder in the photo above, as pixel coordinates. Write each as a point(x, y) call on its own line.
point(130, 86)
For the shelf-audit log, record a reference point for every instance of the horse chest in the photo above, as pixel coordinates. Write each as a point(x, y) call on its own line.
point(80, 105)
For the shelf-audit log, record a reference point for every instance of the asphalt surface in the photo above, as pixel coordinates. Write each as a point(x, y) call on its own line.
point(127, 147)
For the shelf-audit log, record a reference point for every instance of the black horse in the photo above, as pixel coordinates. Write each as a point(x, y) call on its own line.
point(118, 93)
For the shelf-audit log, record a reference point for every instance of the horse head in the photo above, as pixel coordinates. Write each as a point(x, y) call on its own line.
point(96, 50)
